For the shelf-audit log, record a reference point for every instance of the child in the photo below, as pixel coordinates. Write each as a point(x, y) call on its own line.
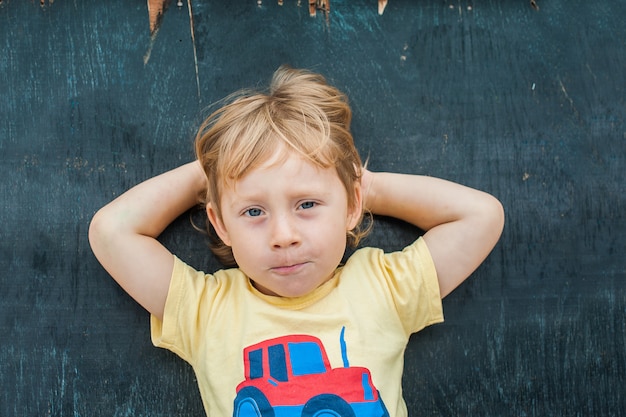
point(288, 331)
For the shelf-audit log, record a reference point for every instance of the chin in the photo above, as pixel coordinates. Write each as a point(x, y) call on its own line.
point(285, 292)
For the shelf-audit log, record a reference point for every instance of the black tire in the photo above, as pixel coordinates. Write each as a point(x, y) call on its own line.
point(327, 405)
point(255, 399)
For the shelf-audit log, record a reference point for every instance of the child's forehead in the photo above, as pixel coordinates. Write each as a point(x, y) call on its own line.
point(277, 157)
point(285, 163)
point(294, 178)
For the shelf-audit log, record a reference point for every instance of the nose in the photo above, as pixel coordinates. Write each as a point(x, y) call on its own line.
point(284, 232)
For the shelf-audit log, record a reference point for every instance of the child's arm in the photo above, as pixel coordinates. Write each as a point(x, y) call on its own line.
point(462, 224)
point(123, 233)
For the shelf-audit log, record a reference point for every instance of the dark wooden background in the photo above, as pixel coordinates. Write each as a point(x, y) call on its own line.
point(526, 104)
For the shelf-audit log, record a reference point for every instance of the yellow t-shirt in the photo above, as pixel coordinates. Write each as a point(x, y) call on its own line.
point(340, 346)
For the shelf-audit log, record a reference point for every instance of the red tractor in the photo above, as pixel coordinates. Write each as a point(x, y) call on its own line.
point(290, 376)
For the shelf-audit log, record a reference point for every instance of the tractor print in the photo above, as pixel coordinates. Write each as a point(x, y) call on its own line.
point(291, 376)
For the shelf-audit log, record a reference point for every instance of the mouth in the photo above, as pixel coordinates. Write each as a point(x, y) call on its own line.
point(288, 269)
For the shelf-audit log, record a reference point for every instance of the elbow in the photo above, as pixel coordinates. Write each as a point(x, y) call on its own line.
point(499, 214)
point(99, 232)
point(95, 231)
point(495, 216)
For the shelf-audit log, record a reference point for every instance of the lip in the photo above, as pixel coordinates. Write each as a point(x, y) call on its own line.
point(288, 269)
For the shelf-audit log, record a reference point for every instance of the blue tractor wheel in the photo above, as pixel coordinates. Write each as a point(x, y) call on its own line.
point(250, 402)
point(327, 405)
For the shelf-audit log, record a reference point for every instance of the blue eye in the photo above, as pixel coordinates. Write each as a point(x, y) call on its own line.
point(307, 204)
point(253, 212)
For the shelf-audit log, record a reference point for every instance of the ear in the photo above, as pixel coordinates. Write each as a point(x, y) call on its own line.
point(217, 224)
point(356, 211)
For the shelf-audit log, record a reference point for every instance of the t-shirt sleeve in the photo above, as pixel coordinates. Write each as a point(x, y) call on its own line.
point(413, 286)
point(183, 307)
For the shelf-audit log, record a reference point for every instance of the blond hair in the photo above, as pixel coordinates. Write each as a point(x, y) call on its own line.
point(300, 112)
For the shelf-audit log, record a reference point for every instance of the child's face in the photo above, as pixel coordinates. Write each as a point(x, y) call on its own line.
point(286, 223)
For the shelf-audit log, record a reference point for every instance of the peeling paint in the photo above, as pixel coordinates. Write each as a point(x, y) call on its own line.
point(156, 9)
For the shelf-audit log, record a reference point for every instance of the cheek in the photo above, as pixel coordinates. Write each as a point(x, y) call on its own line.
point(246, 248)
point(331, 236)
point(241, 246)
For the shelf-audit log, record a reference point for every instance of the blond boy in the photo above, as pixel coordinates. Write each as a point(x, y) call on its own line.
point(287, 330)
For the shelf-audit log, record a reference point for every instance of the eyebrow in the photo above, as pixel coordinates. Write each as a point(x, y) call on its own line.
point(300, 193)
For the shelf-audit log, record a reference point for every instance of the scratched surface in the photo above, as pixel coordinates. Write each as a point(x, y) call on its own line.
point(526, 104)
